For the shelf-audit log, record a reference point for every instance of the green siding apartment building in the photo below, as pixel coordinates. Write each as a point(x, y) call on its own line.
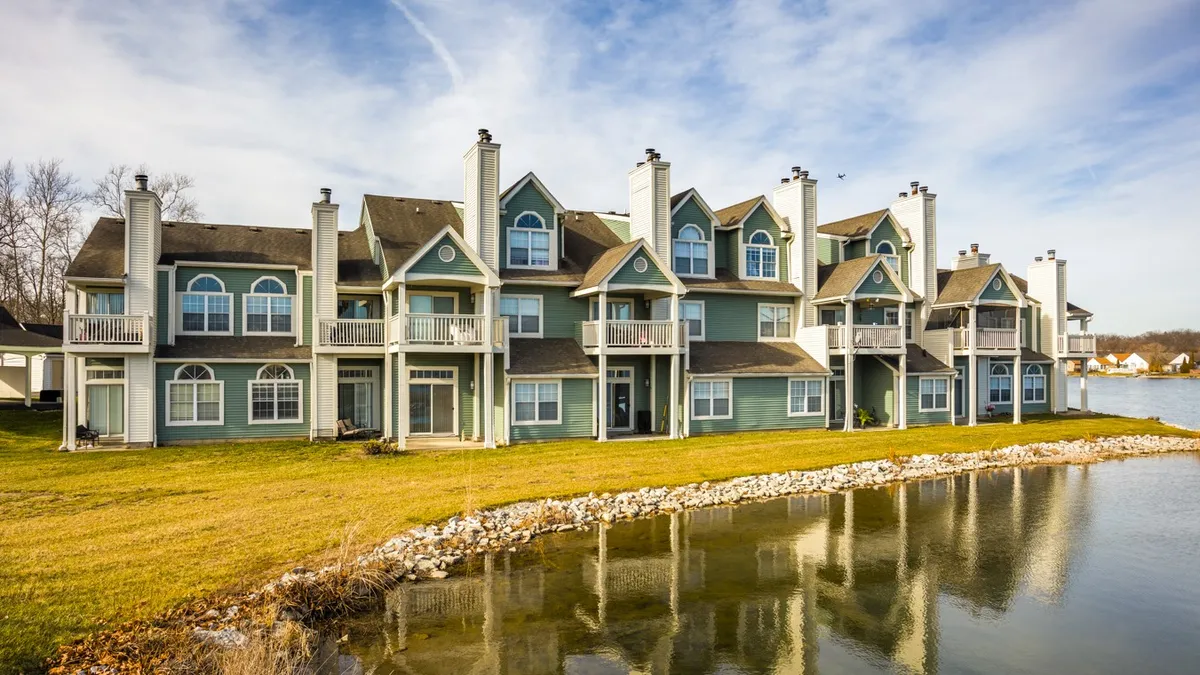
point(506, 317)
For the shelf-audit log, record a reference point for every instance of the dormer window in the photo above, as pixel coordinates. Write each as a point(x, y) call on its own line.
point(885, 249)
point(206, 307)
point(268, 307)
point(761, 257)
point(691, 252)
point(529, 242)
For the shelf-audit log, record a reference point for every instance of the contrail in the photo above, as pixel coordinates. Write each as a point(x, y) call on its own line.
point(439, 47)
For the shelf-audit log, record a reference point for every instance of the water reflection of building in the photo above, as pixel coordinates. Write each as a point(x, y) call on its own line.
point(756, 588)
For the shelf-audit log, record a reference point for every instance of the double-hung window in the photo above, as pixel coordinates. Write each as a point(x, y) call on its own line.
point(529, 242)
point(935, 394)
point(691, 252)
point(805, 397)
point(274, 396)
point(888, 252)
point(1000, 384)
point(761, 256)
point(268, 307)
point(1034, 385)
point(692, 313)
point(536, 403)
point(206, 307)
point(524, 314)
point(774, 322)
point(712, 399)
point(908, 325)
point(194, 397)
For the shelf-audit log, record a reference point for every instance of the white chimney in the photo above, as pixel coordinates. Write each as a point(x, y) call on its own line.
point(324, 256)
point(1048, 284)
point(966, 260)
point(650, 203)
point(916, 211)
point(481, 189)
point(796, 200)
point(143, 232)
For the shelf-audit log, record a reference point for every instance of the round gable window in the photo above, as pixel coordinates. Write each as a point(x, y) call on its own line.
point(996, 284)
point(446, 253)
point(878, 276)
point(639, 265)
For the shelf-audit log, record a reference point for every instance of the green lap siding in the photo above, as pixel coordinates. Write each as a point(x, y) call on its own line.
point(762, 220)
point(528, 198)
point(576, 420)
point(869, 287)
point(307, 330)
point(856, 249)
point(162, 309)
point(758, 403)
point(690, 213)
point(619, 227)
point(874, 389)
point(235, 403)
point(730, 317)
point(238, 281)
point(628, 274)
point(887, 232)
point(913, 396)
point(828, 251)
point(725, 251)
point(1004, 294)
point(431, 262)
point(561, 314)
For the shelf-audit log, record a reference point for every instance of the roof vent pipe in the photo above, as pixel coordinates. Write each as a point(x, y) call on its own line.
point(650, 154)
point(326, 193)
point(1037, 258)
point(962, 251)
point(924, 189)
point(141, 181)
point(974, 248)
point(795, 172)
point(1050, 254)
point(804, 174)
point(903, 194)
point(484, 136)
point(785, 180)
point(914, 186)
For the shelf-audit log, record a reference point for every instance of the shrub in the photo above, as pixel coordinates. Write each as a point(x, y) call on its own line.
point(378, 446)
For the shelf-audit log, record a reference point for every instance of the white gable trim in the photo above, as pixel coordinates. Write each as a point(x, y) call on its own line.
point(1004, 276)
point(538, 185)
point(487, 274)
point(692, 194)
point(676, 286)
point(880, 264)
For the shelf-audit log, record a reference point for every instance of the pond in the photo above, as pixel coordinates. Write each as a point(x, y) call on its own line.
point(1045, 569)
point(1174, 399)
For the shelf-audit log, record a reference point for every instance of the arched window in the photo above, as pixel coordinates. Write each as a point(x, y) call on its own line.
point(888, 252)
point(1000, 384)
point(761, 256)
point(1034, 385)
point(195, 397)
point(691, 252)
point(529, 241)
point(275, 395)
point(206, 307)
point(268, 307)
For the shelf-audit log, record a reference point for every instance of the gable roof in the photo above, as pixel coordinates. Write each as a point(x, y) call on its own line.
point(957, 287)
point(27, 336)
point(853, 227)
point(680, 199)
point(356, 266)
point(607, 263)
point(481, 268)
point(404, 225)
point(842, 279)
point(537, 185)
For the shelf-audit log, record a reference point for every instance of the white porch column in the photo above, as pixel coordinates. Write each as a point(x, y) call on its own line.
point(402, 408)
point(673, 420)
point(971, 381)
point(28, 381)
point(1083, 407)
point(489, 399)
point(602, 362)
point(388, 403)
point(849, 363)
point(903, 390)
point(1018, 389)
point(653, 393)
point(70, 394)
point(477, 380)
point(953, 386)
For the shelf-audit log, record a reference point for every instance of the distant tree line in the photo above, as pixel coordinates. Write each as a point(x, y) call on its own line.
point(1157, 347)
point(42, 224)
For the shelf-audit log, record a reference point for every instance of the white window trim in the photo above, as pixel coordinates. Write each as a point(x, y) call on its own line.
point(791, 321)
point(692, 398)
point(246, 308)
point(921, 400)
point(408, 296)
point(594, 302)
point(707, 245)
point(553, 262)
point(703, 319)
point(888, 257)
point(220, 421)
point(806, 412)
point(541, 314)
point(1041, 376)
point(891, 310)
point(747, 246)
point(1008, 376)
point(291, 380)
point(537, 406)
point(910, 329)
point(268, 277)
point(179, 330)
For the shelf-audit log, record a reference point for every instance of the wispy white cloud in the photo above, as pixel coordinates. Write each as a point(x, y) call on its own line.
point(1067, 126)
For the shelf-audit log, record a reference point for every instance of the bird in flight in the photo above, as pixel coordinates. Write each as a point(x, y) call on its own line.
point(841, 176)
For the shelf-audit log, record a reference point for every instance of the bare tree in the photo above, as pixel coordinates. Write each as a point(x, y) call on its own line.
point(53, 200)
point(13, 216)
point(171, 188)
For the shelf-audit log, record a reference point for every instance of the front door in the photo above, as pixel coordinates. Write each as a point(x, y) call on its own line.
point(960, 393)
point(837, 400)
point(620, 399)
point(432, 394)
point(106, 409)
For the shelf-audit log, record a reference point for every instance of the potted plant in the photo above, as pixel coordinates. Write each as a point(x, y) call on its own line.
point(864, 417)
point(991, 408)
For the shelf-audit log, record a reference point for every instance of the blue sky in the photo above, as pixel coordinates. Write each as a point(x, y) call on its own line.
point(1073, 126)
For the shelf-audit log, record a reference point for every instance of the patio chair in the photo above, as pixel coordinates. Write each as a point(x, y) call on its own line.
point(82, 433)
point(347, 430)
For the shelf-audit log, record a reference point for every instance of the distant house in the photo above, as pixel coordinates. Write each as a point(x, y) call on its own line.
point(31, 359)
point(1131, 363)
point(1175, 364)
point(1100, 364)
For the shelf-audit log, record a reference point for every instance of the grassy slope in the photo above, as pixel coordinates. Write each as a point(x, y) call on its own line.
point(115, 535)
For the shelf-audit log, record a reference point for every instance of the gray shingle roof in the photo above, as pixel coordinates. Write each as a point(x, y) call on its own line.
point(549, 356)
point(840, 279)
point(857, 226)
point(262, 348)
point(960, 286)
point(766, 358)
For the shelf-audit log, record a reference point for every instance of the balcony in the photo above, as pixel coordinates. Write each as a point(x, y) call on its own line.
point(1082, 345)
point(986, 339)
point(882, 338)
point(126, 333)
point(449, 332)
point(636, 336)
point(350, 333)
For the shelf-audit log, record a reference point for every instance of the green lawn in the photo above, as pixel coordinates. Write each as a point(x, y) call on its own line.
point(87, 538)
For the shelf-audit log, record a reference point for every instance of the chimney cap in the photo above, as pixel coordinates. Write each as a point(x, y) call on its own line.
point(141, 181)
point(974, 248)
point(804, 173)
point(903, 194)
point(326, 193)
point(785, 180)
point(914, 184)
point(1050, 253)
point(484, 136)
point(1037, 258)
point(795, 172)
point(962, 251)
point(924, 189)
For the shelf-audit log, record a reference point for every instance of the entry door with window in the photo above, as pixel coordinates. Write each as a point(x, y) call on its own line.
point(106, 409)
point(618, 310)
point(620, 399)
point(432, 394)
point(356, 396)
point(837, 399)
point(960, 393)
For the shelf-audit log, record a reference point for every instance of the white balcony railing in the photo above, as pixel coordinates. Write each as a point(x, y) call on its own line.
point(451, 329)
point(645, 334)
point(351, 332)
point(986, 338)
point(108, 329)
point(1083, 344)
point(867, 337)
